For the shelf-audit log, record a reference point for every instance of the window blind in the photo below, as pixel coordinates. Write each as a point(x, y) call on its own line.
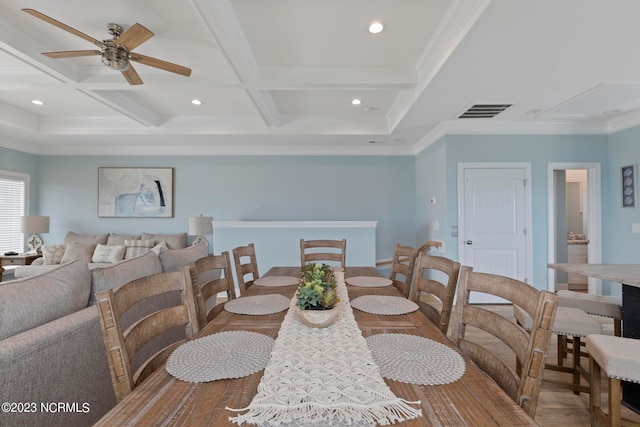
point(13, 189)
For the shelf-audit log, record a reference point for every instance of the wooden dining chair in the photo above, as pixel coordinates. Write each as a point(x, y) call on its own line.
point(210, 276)
point(323, 250)
point(244, 258)
point(435, 287)
point(402, 266)
point(137, 345)
point(530, 348)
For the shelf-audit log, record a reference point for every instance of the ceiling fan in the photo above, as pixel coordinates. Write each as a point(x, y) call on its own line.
point(117, 52)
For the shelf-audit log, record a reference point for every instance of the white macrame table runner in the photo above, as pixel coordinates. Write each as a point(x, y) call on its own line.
point(324, 376)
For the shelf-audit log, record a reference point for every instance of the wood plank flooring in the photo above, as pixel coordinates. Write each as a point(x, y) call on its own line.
point(557, 406)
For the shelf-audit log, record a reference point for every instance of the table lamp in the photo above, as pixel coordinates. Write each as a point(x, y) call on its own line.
point(199, 226)
point(34, 225)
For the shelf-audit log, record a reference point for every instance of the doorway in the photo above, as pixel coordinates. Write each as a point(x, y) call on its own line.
point(562, 186)
point(494, 220)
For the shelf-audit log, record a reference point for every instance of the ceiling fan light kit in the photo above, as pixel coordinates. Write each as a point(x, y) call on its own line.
point(117, 52)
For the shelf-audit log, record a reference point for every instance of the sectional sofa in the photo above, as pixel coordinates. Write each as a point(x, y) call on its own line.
point(53, 366)
point(100, 250)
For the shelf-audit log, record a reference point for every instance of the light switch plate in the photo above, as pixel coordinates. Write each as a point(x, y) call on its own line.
point(635, 228)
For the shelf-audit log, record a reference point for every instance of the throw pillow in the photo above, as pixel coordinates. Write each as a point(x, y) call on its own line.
point(93, 239)
point(52, 254)
point(174, 241)
point(116, 275)
point(174, 259)
point(136, 248)
point(157, 247)
point(118, 239)
point(76, 251)
point(108, 254)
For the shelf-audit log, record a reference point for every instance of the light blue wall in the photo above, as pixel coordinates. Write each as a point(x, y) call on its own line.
point(265, 188)
point(535, 149)
point(621, 246)
point(392, 190)
point(431, 184)
point(18, 161)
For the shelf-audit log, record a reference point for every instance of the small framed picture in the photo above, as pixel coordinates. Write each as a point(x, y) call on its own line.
point(628, 174)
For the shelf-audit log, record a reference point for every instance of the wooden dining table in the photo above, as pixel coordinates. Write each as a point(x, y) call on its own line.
point(473, 400)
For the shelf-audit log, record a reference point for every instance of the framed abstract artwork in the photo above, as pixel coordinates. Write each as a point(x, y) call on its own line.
point(628, 175)
point(135, 192)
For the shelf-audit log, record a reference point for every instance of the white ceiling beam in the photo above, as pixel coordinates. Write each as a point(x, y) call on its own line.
point(220, 19)
point(456, 23)
point(122, 103)
point(324, 78)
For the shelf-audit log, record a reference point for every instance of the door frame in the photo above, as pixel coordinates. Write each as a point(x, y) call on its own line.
point(527, 211)
point(594, 212)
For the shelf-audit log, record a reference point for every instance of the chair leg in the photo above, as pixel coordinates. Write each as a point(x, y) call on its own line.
point(615, 395)
point(562, 349)
point(576, 370)
point(595, 398)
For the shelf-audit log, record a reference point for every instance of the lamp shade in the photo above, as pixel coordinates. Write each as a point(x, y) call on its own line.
point(34, 224)
point(200, 225)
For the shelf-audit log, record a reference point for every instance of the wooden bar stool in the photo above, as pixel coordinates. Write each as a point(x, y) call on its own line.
point(597, 305)
point(619, 359)
point(569, 322)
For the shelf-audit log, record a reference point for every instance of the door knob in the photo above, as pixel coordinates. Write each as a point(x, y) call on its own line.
point(469, 242)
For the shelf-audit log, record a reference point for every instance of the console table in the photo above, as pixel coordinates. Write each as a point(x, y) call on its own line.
point(16, 260)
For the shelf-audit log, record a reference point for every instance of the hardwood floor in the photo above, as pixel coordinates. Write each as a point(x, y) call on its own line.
point(557, 406)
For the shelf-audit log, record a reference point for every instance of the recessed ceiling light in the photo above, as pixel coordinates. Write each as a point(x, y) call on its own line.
point(356, 101)
point(376, 27)
point(196, 102)
point(37, 102)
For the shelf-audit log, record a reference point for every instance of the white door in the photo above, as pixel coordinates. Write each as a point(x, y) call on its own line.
point(493, 232)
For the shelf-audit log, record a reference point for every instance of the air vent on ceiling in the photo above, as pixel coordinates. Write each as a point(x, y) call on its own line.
point(484, 111)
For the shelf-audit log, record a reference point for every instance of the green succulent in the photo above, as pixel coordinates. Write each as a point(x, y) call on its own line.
point(317, 290)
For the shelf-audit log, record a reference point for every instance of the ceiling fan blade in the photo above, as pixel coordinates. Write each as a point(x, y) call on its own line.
point(62, 26)
point(71, 53)
point(158, 63)
point(132, 76)
point(134, 36)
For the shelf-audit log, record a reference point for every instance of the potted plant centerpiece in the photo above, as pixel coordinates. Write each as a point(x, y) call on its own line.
point(316, 296)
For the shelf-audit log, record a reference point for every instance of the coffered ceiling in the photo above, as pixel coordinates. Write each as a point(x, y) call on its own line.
point(279, 76)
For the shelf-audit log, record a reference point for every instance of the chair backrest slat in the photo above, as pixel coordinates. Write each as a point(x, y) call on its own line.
point(402, 266)
point(245, 261)
point(323, 250)
point(435, 287)
point(211, 275)
point(128, 330)
point(521, 382)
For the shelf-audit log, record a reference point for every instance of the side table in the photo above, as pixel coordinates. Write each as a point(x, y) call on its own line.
point(16, 260)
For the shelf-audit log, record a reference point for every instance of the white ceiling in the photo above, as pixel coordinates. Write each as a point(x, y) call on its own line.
point(278, 76)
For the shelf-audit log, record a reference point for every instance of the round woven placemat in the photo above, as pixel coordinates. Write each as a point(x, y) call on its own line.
point(415, 360)
point(233, 354)
point(258, 305)
point(368, 281)
point(383, 304)
point(277, 281)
